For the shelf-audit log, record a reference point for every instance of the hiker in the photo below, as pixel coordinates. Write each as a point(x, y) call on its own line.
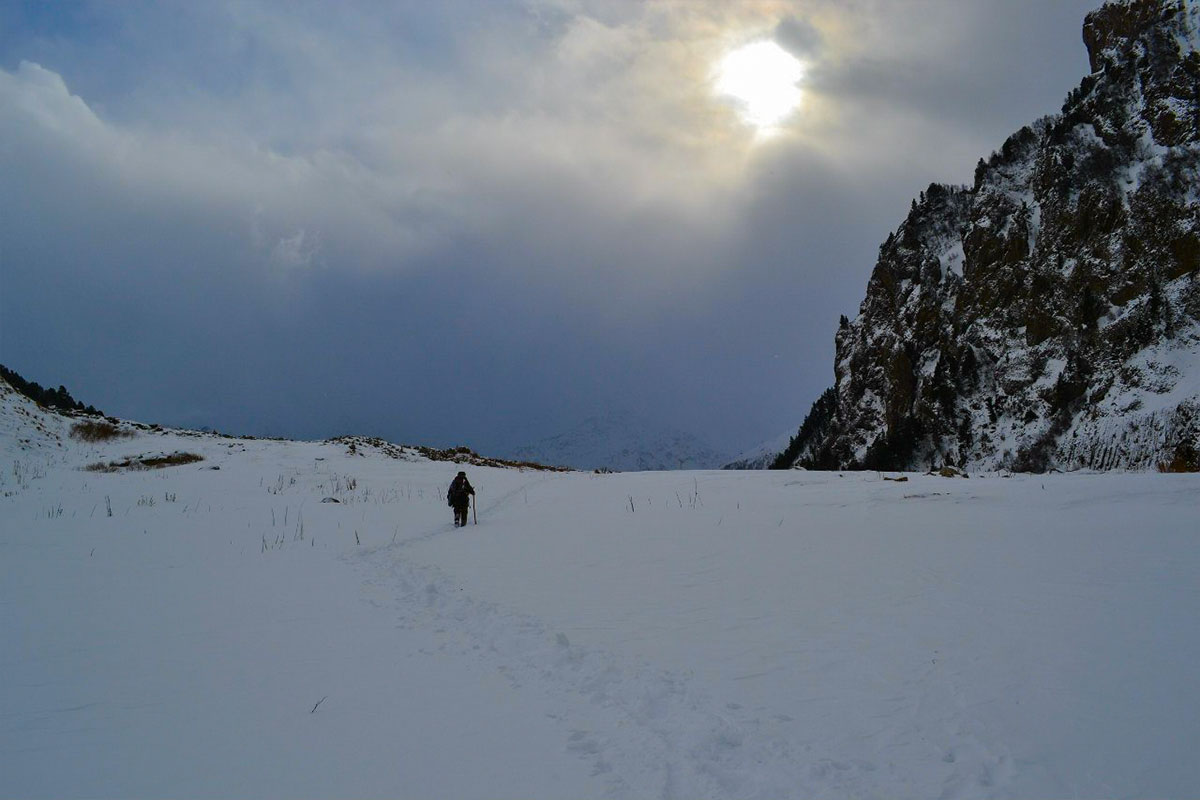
point(459, 498)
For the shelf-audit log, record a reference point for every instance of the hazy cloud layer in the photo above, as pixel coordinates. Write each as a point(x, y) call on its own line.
point(474, 222)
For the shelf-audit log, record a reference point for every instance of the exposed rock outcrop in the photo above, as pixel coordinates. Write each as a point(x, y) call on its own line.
point(1048, 315)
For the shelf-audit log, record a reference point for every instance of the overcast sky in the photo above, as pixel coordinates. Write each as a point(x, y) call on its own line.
point(476, 222)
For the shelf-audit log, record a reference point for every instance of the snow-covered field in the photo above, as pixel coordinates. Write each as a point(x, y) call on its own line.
point(224, 633)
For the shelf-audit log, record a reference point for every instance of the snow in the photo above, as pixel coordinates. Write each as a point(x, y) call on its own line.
point(1147, 411)
point(763, 454)
point(953, 258)
point(619, 440)
point(1189, 38)
point(665, 634)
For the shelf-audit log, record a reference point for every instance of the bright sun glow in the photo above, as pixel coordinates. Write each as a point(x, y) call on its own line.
point(762, 78)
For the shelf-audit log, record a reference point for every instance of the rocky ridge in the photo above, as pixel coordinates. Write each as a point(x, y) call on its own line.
point(1049, 315)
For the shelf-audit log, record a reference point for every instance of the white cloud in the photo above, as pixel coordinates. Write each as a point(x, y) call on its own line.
point(567, 157)
point(316, 193)
point(43, 96)
point(573, 133)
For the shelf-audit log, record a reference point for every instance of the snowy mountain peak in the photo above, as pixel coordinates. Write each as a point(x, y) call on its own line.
point(621, 441)
point(762, 455)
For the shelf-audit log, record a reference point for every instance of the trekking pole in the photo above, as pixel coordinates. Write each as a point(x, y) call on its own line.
point(474, 513)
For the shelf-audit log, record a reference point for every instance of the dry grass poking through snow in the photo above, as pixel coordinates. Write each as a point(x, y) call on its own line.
point(98, 431)
point(146, 462)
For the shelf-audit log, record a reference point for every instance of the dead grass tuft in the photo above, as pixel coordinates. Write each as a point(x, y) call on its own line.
point(146, 462)
point(98, 431)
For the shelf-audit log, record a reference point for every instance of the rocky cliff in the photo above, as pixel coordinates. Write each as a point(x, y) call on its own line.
point(1049, 315)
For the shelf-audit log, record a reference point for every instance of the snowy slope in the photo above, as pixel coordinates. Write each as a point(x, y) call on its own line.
point(677, 634)
point(618, 440)
point(761, 456)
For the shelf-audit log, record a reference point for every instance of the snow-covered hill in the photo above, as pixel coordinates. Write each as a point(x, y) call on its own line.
point(762, 455)
point(620, 441)
point(222, 628)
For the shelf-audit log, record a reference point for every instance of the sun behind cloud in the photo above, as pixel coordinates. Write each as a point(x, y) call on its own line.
point(763, 80)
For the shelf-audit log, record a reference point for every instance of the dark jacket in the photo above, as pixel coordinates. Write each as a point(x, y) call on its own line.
point(460, 491)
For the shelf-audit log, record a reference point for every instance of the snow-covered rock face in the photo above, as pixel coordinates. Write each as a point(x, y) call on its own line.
point(1048, 316)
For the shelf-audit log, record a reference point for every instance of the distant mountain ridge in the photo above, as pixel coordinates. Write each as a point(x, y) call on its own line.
point(1049, 315)
point(761, 456)
point(620, 441)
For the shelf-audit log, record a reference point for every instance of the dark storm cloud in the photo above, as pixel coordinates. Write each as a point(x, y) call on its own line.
point(978, 71)
point(799, 37)
point(473, 222)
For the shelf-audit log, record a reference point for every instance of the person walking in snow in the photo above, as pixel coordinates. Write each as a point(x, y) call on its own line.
point(459, 498)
